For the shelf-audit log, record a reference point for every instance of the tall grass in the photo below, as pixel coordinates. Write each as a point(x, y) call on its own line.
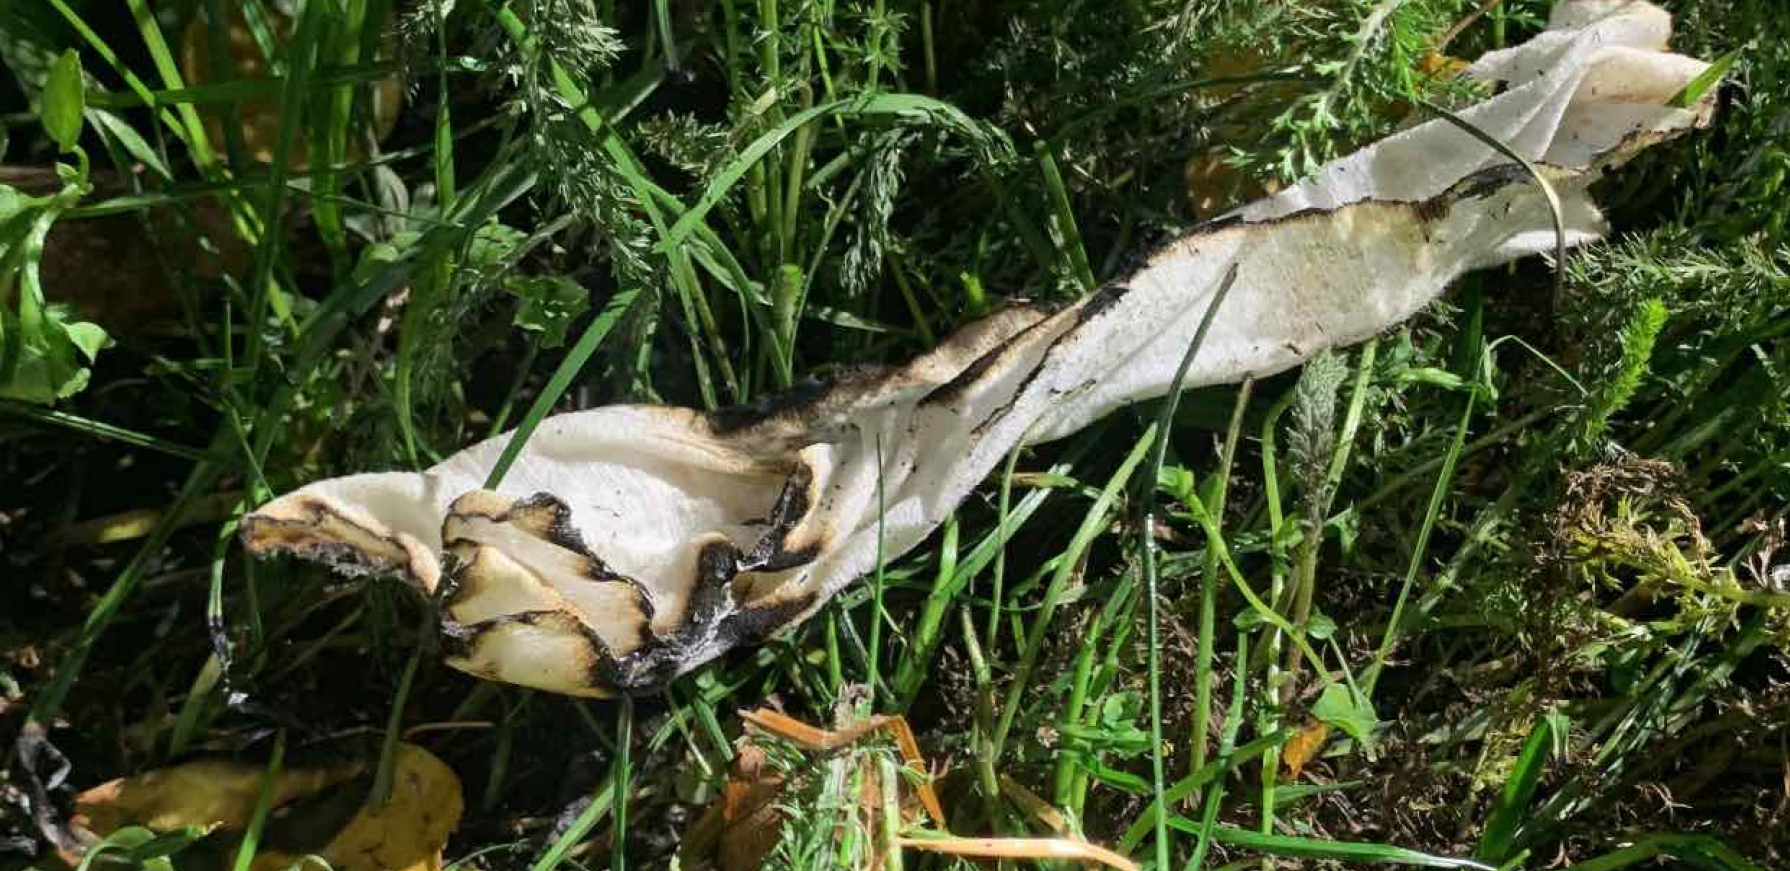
point(1477, 594)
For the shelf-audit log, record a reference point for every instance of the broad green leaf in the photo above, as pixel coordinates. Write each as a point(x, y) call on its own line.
point(1177, 481)
point(848, 320)
point(132, 141)
point(1342, 707)
point(63, 101)
point(549, 305)
point(1433, 376)
point(1113, 777)
point(43, 349)
point(492, 244)
point(88, 338)
point(11, 204)
point(48, 367)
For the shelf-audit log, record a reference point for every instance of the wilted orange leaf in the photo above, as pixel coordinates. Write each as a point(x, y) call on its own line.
point(1303, 747)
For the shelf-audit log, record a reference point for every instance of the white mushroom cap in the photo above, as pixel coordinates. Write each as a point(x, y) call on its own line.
point(630, 544)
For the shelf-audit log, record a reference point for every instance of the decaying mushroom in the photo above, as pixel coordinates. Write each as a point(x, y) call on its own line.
point(630, 544)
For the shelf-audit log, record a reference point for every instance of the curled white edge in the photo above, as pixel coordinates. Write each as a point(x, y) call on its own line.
point(630, 544)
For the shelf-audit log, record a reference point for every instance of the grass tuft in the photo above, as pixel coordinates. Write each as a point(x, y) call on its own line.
point(1505, 586)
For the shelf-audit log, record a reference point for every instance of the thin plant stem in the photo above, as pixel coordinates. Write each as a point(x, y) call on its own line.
point(394, 726)
point(876, 590)
point(1208, 614)
point(270, 786)
point(1305, 578)
point(1147, 552)
point(623, 775)
point(1418, 550)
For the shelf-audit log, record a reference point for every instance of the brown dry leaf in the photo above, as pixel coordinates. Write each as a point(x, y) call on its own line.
point(750, 817)
point(261, 120)
point(112, 268)
point(1304, 747)
point(312, 805)
point(741, 828)
point(1214, 186)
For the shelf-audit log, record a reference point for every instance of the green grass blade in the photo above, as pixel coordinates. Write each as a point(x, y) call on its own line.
point(1208, 607)
point(622, 778)
point(1147, 548)
point(1709, 78)
point(911, 672)
point(1227, 742)
point(1093, 523)
point(1420, 549)
point(877, 583)
point(1192, 783)
point(910, 107)
point(600, 803)
point(1498, 839)
point(386, 770)
point(557, 385)
point(1318, 848)
point(1073, 248)
point(102, 430)
point(1700, 851)
point(270, 780)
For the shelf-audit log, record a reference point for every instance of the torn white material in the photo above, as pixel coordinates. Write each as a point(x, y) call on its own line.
point(630, 544)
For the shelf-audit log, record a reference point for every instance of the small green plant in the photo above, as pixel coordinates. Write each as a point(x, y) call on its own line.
point(44, 349)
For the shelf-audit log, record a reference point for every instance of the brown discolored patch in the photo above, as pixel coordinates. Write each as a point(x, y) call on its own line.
point(313, 529)
point(761, 620)
point(1038, 313)
point(800, 401)
point(774, 551)
point(543, 516)
point(548, 517)
point(476, 650)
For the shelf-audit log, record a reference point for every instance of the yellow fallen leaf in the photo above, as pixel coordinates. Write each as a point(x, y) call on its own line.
point(408, 834)
point(317, 810)
point(200, 793)
point(1442, 66)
